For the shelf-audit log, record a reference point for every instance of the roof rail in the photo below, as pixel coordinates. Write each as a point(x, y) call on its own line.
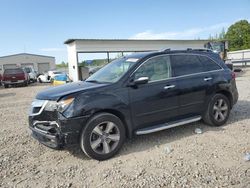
point(165, 50)
point(200, 49)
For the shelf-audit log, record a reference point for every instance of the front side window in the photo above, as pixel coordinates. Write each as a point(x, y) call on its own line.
point(156, 68)
point(185, 64)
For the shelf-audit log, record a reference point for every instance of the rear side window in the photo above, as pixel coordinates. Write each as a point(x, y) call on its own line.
point(13, 71)
point(156, 68)
point(208, 64)
point(186, 64)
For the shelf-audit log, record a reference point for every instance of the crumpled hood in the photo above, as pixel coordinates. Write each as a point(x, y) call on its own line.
point(55, 93)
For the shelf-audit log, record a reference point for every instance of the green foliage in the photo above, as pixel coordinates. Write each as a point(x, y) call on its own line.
point(238, 35)
point(218, 37)
point(96, 62)
point(62, 65)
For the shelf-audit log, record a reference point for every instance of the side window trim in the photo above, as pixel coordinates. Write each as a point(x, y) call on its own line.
point(175, 77)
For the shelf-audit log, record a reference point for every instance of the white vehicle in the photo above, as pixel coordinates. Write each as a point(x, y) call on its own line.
point(47, 77)
point(32, 73)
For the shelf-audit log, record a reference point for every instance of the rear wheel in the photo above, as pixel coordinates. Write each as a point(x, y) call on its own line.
point(26, 83)
point(218, 110)
point(103, 136)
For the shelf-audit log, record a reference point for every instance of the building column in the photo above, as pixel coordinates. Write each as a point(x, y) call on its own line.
point(73, 62)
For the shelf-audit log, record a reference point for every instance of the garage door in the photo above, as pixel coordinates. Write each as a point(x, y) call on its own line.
point(27, 65)
point(9, 66)
point(43, 67)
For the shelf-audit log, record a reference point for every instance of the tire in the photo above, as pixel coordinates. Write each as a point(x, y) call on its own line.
point(96, 137)
point(26, 83)
point(39, 79)
point(218, 110)
point(6, 86)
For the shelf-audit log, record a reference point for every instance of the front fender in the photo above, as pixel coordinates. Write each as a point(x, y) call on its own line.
point(90, 103)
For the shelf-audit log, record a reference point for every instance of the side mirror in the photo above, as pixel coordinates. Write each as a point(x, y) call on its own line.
point(141, 80)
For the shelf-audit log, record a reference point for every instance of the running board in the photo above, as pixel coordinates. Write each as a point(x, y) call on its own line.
point(167, 125)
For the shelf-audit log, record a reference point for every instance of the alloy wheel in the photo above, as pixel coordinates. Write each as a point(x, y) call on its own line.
point(220, 110)
point(105, 137)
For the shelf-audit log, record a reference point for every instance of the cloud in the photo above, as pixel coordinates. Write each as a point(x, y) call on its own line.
point(186, 34)
point(52, 49)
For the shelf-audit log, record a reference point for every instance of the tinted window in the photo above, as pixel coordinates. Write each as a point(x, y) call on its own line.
point(208, 64)
point(13, 71)
point(156, 68)
point(186, 64)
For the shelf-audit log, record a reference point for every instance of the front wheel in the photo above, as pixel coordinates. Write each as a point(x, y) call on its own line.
point(103, 136)
point(218, 110)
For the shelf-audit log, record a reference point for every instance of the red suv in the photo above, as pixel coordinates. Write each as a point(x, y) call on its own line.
point(16, 76)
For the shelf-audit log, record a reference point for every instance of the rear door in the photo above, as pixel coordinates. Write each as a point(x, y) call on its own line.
point(193, 82)
point(156, 101)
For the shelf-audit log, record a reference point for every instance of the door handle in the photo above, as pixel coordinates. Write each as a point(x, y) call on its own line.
point(207, 78)
point(169, 87)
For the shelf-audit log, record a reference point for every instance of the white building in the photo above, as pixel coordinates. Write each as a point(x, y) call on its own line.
point(76, 46)
point(40, 63)
point(239, 55)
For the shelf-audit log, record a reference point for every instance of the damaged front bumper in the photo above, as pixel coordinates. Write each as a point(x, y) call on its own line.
point(53, 129)
point(56, 134)
point(47, 132)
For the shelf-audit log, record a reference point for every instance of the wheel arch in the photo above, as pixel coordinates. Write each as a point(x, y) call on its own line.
point(228, 95)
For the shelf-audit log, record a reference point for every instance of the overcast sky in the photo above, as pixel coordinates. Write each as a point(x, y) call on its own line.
point(41, 26)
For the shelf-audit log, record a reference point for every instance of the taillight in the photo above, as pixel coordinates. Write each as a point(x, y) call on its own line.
point(233, 75)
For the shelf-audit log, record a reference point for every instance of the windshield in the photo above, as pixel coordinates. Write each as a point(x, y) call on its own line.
point(58, 72)
point(13, 71)
point(113, 71)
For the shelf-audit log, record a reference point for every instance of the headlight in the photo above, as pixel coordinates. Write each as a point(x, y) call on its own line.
point(51, 106)
point(64, 103)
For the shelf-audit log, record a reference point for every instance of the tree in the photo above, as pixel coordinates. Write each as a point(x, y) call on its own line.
point(222, 34)
point(238, 35)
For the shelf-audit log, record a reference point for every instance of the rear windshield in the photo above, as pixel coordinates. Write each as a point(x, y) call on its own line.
point(13, 71)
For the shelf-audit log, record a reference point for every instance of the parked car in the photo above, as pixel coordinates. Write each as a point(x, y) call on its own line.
point(47, 77)
point(32, 73)
point(60, 79)
point(16, 76)
point(1, 79)
point(135, 95)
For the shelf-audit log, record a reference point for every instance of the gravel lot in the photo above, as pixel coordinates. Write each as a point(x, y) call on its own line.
point(173, 158)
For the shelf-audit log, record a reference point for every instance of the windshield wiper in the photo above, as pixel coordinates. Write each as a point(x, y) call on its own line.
point(96, 81)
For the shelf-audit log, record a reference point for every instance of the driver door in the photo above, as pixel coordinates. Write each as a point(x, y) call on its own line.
point(155, 102)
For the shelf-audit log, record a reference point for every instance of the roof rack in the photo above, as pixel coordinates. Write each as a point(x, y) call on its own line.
point(200, 49)
point(165, 50)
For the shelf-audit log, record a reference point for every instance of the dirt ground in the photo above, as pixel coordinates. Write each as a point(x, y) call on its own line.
point(173, 158)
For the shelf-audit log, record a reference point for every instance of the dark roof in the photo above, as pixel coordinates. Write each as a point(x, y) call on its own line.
point(27, 54)
point(169, 51)
point(72, 40)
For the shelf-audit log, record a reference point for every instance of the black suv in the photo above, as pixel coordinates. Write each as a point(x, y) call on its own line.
point(134, 95)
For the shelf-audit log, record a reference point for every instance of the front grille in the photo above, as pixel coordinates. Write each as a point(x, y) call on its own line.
point(48, 116)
